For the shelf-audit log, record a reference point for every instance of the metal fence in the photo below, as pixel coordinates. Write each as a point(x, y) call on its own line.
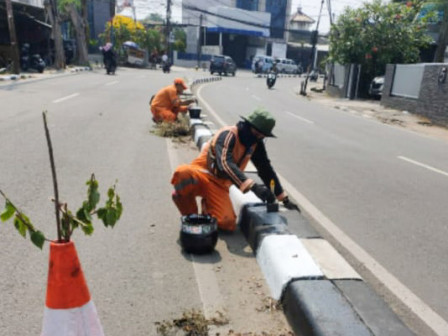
point(407, 80)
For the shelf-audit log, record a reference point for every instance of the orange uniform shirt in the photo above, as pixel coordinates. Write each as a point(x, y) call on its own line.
point(166, 98)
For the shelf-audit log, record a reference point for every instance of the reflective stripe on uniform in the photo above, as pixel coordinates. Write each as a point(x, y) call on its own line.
point(182, 184)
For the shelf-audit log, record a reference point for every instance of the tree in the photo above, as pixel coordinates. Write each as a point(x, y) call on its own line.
point(153, 17)
point(53, 14)
point(180, 39)
point(71, 8)
point(377, 34)
point(442, 7)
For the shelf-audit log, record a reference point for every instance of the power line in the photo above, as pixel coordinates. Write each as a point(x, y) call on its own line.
point(249, 23)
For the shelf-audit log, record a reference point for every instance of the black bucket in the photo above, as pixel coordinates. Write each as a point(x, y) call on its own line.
point(195, 112)
point(198, 233)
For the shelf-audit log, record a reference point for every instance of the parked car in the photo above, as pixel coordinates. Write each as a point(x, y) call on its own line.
point(222, 64)
point(286, 65)
point(262, 63)
point(376, 87)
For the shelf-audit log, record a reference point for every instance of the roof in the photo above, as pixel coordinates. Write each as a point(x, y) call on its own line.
point(301, 17)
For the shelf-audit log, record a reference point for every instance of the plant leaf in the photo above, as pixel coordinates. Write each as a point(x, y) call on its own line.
point(87, 228)
point(111, 217)
point(119, 207)
point(8, 212)
point(93, 196)
point(38, 239)
point(20, 226)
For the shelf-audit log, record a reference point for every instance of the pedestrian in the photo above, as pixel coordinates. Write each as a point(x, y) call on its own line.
point(166, 104)
point(221, 163)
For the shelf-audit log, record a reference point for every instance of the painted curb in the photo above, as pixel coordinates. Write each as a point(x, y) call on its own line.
point(320, 292)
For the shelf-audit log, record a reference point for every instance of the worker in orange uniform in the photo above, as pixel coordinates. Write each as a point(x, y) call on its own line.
point(166, 104)
point(221, 163)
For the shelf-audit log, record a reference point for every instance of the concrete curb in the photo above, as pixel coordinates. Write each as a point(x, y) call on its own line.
point(34, 77)
point(320, 292)
point(280, 75)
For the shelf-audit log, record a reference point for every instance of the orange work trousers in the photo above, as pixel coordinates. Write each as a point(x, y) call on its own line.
point(191, 181)
point(165, 114)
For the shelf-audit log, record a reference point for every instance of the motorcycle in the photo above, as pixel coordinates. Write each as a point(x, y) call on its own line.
point(28, 61)
point(111, 66)
point(270, 80)
point(166, 67)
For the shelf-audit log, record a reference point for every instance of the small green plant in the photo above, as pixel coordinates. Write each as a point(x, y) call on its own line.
point(66, 222)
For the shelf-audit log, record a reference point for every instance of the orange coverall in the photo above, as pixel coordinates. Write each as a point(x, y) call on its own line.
point(166, 105)
point(202, 178)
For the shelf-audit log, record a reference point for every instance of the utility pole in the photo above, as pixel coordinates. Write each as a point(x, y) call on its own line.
point(331, 69)
point(199, 41)
point(330, 14)
point(313, 56)
point(168, 27)
point(13, 38)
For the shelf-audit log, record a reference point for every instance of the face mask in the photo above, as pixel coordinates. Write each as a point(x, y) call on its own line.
point(246, 136)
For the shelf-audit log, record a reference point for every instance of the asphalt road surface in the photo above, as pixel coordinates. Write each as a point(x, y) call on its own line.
point(377, 192)
point(136, 272)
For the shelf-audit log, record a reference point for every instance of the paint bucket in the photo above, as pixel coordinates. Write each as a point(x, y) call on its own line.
point(198, 233)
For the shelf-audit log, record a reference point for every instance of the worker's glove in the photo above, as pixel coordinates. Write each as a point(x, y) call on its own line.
point(263, 193)
point(290, 205)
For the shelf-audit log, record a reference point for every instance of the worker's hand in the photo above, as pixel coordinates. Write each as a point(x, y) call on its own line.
point(290, 205)
point(263, 193)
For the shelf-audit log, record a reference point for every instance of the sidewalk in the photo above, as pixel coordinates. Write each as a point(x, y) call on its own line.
point(48, 72)
point(372, 109)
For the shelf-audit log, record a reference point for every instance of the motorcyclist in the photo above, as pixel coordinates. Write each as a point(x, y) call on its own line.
point(109, 58)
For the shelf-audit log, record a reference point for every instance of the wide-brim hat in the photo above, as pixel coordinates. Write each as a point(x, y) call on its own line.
point(262, 121)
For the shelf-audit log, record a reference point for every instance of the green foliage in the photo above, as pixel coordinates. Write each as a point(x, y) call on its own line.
point(63, 4)
point(180, 39)
point(149, 39)
point(377, 34)
point(109, 214)
point(153, 17)
point(21, 223)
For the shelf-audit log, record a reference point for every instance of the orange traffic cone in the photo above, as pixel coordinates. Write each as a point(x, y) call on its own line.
point(69, 309)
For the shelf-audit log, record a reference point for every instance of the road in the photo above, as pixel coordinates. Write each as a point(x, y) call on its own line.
point(381, 189)
point(376, 191)
point(136, 272)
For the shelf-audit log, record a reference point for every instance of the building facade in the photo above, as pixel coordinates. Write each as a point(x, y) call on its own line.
point(238, 28)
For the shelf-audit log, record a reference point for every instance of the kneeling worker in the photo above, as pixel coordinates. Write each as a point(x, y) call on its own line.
point(166, 104)
point(221, 163)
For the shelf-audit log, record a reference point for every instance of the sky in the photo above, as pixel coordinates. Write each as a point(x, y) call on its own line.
point(312, 8)
point(309, 7)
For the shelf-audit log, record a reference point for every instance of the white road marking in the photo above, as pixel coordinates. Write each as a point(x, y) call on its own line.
point(65, 98)
point(400, 291)
point(298, 117)
point(256, 97)
point(111, 83)
point(423, 165)
point(209, 292)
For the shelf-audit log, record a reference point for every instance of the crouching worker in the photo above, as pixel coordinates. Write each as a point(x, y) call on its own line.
point(166, 104)
point(221, 163)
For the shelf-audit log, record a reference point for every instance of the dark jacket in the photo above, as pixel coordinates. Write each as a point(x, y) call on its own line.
point(229, 152)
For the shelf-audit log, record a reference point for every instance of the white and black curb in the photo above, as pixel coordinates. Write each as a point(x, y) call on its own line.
point(279, 75)
point(37, 77)
point(320, 292)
